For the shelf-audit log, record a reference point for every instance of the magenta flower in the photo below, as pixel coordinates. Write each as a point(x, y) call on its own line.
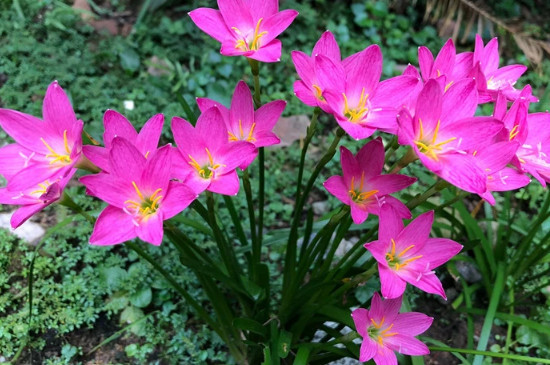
point(34, 198)
point(208, 159)
point(407, 255)
point(359, 102)
point(247, 28)
point(43, 148)
point(139, 192)
point(443, 130)
point(490, 78)
point(443, 65)
point(363, 187)
point(116, 125)
point(385, 330)
point(309, 89)
point(245, 124)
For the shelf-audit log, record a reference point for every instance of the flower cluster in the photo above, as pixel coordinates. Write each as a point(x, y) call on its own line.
point(431, 110)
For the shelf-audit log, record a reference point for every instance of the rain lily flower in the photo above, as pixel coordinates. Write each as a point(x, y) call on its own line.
point(443, 64)
point(533, 154)
point(43, 148)
point(247, 28)
point(443, 130)
point(362, 104)
point(245, 124)
point(407, 255)
point(385, 330)
point(139, 192)
point(309, 89)
point(363, 187)
point(33, 199)
point(116, 125)
point(209, 159)
point(490, 78)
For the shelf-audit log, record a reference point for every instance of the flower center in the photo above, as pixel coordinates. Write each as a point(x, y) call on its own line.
point(243, 44)
point(63, 158)
point(206, 171)
point(514, 132)
point(358, 195)
point(358, 113)
point(430, 148)
point(396, 260)
point(146, 205)
point(241, 137)
point(378, 334)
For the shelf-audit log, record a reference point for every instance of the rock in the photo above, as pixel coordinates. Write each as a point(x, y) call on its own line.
point(320, 208)
point(468, 271)
point(28, 231)
point(291, 129)
point(345, 246)
point(158, 67)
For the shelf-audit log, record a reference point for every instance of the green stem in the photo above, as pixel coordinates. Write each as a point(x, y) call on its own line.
point(261, 202)
point(226, 250)
point(251, 215)
point(191, 117)
point(68, 202)
point(510, 326)
point(255, 70)
point(419, 199)
point(491, 354)
point(236, 220)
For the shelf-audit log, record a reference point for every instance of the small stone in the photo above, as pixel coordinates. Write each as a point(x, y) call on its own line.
point(129, 104)
point(291, 129)
point(468, 271)
point(28, 231)
point(320, 208)
point(345, 246)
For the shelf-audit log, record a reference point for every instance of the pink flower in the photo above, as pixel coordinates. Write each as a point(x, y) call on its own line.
point(490, 78)
point(443, 64)
point(116, 125)
point(363, 187)
point(43, 148)
point(443, 130)
point(34, 198)
point(246, 27)
point(533, 156)
point(407, 255)
point(139, 192)
point(309, 89)
point(385, 330)
point(359, 102)
point(245, 124)
point(208, 159)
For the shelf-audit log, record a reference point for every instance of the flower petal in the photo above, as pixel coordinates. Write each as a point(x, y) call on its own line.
point(211, 22)
point(148, 138)
point(418, 231)
point(150, 229)
point(276, 24)
point(106, 233)
point(116, 125)
point(270, 52)
point(178, 198)
point(125, 160)
point(327, 46)
point(268, 115)
point(241, 111)
point(390, 224)
point(25, 129)
point(392, 285)
point(459, 101)
point(408, 345)
point(57, 109)
point(227, 184)
point(439, 251)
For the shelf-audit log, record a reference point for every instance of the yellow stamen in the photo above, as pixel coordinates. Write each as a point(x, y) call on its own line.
point(205, 171)
point(430, 148)
point(43, 188)
point(57, 157)
point(405, 250)
point(356, 114)
point(448, 86)
point(147, 205)
point(514, 132)
point(243, 45)
point(137, 190)
point(394, 261)
point(318, 93)
point(147, 154)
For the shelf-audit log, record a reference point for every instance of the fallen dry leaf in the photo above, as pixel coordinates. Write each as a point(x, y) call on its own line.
point(291, 129)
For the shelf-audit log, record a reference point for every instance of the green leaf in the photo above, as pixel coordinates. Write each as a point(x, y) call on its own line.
point(302, 355)
point(142, 298)
point(112, 276)
point(285, 340)
point(529, 336)
point(129, 60)
point(251, 325)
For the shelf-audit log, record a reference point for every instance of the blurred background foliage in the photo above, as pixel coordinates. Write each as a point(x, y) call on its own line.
point(134, 56)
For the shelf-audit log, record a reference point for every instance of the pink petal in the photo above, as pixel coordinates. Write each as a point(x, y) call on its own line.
point(510, 73)
point(368, 349)
point(412, 323)
point(157, 170)
point(211, 22)
point(507, 179)
point(262, 9)
point(304, 93)
point(227, 184)
point(496, 156)
point(429, 105)
point(358, 213)
point(426, 62)
point(378, 250)
point(371, 158)
point(463, 172)
point(364, 72)
point(108, 188)
point(116, 125)
point(388, 184)
point(400, 209)
point(14, 158)
point(125, 160)
point(459, 101)
point(276, 24)
point(445, 60)
point(501, 106)
point(264, 139)
point(25, 129)
point(233, 154)
point(471, 133)
point(150, 229)
point(350, 166)
point(270, 52)
point(405, 131)
point(355, 130)
point(99, 156)
point(439, 250)
point(236, 14)
point(336, 186)
point(178, 198)
point(418, 231)
point(427, 282)
point(24, 212)
point(385, 356)
point(408, 345)
point(185, 136)
point(394, 91)
point(148, 138)
point(376, 308)
point(490, 59)
point(392, 285)
point(361, 320)
point(242, 107)
point(330, 73)
point(35, 174)
point(390, 224)
point(196, 183)
point(57, 109)
point(327, 46)
point(211, 128)
point(463, 65)
point(106, 233)
point(305, 67)
point(228, 49)
point(268, 114)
